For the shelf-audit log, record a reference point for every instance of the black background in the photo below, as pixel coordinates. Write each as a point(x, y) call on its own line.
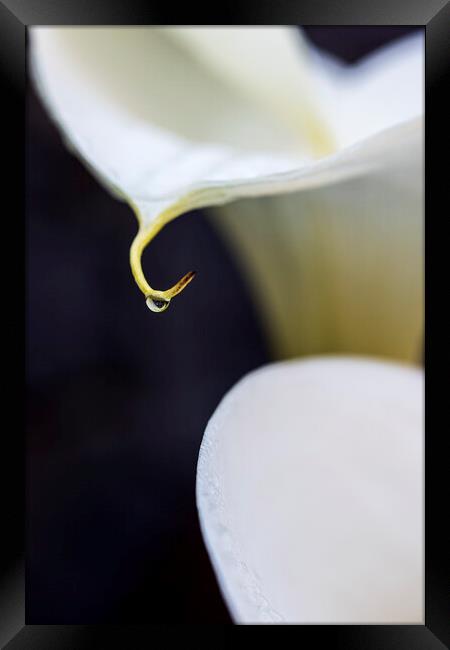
point(118, 398)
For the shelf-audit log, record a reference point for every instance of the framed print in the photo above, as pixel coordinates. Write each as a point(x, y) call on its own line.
point(223, 228)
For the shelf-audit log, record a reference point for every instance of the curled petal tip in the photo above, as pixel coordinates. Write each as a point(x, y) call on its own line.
point(159, 301)
point(181, 284)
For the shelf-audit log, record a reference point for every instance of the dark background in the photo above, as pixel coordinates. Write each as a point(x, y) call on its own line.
point(118, 398)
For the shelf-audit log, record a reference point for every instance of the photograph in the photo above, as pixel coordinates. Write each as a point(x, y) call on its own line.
point(225, 324)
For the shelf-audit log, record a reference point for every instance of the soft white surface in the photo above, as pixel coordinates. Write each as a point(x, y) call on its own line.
point(167, 114)
point(310, 493)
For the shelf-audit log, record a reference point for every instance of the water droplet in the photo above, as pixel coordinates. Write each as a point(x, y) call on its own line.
point(157, 304)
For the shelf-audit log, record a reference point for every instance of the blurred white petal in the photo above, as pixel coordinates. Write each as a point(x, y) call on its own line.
point(273, 67)
point(339, 268)
point(156, 123)
point(149, 119)
point(381, 91)
point(309, 489)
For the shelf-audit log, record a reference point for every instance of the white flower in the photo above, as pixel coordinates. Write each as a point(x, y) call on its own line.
point(310, 493)
point(309, 477)
point(173, 119)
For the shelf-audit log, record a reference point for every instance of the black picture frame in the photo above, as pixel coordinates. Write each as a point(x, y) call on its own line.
point(15, 17)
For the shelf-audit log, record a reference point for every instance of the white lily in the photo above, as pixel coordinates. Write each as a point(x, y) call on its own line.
point(309, 489)
point(318, 169)
point(174, 119)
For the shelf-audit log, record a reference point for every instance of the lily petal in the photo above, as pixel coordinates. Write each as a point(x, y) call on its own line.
point(166, 133)
point(384, 89)
point(309, 490)
point(287, 85)
point(340, 268)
